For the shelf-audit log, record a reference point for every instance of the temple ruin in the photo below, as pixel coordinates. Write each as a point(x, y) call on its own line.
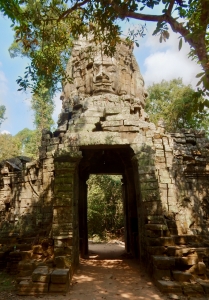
point(103, 129)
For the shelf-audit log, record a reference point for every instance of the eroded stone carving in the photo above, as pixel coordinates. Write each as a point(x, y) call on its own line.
point(95, 73)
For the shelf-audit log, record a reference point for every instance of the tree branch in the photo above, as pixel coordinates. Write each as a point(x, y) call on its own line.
point(71, 9)
point(143, 17)
point(170, 7)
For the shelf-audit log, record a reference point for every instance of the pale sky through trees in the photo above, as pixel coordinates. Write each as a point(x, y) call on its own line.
point(156, 61)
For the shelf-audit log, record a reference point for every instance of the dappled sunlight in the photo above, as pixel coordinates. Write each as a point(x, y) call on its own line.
point(119, 278)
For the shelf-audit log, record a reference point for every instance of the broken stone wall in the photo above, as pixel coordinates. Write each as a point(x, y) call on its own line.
point(24, 200)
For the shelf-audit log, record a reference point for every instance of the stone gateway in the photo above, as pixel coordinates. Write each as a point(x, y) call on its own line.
point(103, 129)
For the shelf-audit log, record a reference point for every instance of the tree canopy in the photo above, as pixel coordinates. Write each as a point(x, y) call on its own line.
point(175, 103)
point(45, 29)
point(9, 146)
point(2, 113)
point(105, 205)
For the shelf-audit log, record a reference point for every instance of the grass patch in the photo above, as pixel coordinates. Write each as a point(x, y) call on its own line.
point(7, 282)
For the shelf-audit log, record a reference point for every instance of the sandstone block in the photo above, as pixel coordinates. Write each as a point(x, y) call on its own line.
point(169, 286)
point(31, 288)
point(62, 229)
point(156, 227)
point(109, 110)
point(41, 274)
point(112, 123)
point(174, 251)
point(159, 159)
point(205, 286)
point(182, 276)
point(63, 261)
point(152, 207)
point(60, 276)
point(131, 123)
point(118, 117)
point(63, 241)
point(61, 215)
point(156, 250)
point(191, 289)
point(66, 201)
point(163, 262)
point(158, 146)
point(37, 249)
point(63, 251)
point(198, 269)
point(165, 179)
point(159, 274)
point(155, 219)
point(26, 255)
point(25, 273)
point(160, 153)
point(187, 261)
point(26, 265)
point(87, 120)
point(90, 113)
point(58, 287)
point(129, 128)
point(67, 187)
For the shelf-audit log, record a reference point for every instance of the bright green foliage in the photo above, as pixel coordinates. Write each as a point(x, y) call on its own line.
point(29, 141)
point(2, 113)
point(43, 106)
point(24, 143)
point(44, 30)
point(175, 103)
point(9, 146)
point(105, 206)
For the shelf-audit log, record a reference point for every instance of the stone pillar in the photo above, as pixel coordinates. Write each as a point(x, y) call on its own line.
point(149, 203)
point(126, 219)
point(83, 223)
point(65, 209)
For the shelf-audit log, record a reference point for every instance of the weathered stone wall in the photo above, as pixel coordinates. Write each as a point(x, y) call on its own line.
point(23, 198)
point(103, 128)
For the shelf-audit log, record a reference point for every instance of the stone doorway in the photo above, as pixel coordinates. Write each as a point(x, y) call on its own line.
point(111, 160)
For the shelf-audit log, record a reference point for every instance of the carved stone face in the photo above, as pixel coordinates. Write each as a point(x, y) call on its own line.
point(102, 76)
point(95, 74)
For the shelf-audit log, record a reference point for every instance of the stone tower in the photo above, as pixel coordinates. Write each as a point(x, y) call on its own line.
point(103, 129)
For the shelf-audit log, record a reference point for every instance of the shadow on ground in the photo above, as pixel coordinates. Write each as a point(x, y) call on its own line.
point(109, 273)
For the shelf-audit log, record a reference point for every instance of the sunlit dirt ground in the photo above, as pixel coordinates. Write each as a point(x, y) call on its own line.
point(108, 274)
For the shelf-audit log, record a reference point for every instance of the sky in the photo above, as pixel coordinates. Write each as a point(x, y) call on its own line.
point(157, 61)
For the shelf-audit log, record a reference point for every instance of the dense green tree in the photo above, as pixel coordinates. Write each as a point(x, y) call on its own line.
point(174, 102)
point(45, 30)
point(43, 106)
point(2, 113)
point(105, 206)
point(28, 141)
point(9, 146)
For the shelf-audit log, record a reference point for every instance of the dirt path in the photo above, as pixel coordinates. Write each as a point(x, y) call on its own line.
point(108, 274)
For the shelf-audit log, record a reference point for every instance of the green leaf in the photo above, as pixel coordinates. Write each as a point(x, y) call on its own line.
point(200, 74)
point(180, 43)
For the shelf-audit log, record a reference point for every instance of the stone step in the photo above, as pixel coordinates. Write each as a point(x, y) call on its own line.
point(178, 251)
point(177, 240)
point(43, 281)
point(167, 286)
point(27, 287)
point(182, 276)
point(198, 289)
point(163, 262)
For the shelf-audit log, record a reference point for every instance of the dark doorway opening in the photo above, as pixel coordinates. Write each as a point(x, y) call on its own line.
point(113, 160)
